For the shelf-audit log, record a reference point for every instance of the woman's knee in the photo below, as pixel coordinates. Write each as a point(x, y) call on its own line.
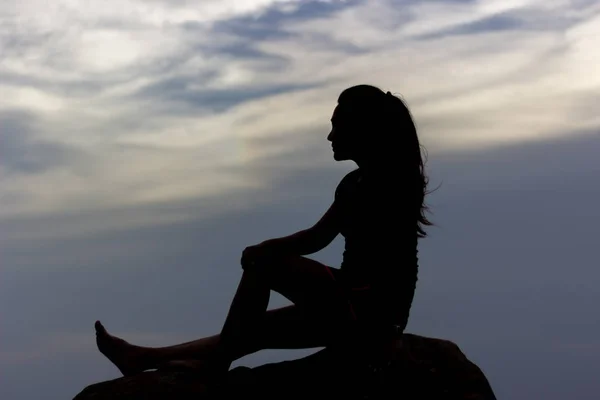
point(269, 267)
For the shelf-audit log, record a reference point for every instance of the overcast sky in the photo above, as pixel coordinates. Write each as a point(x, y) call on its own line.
point(144, 144)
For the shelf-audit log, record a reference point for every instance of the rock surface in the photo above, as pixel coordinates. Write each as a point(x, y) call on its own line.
point(420, 368)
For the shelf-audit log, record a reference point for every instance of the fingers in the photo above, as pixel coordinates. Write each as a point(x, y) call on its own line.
point(247, 258)
point(252, 254)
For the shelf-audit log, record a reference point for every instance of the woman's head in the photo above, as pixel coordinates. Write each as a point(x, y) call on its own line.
point(371, 126)
point(376, 130)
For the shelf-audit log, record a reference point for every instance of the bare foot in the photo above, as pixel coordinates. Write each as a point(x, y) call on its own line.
point(123, 355)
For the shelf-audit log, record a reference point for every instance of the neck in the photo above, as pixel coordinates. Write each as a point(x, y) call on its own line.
point(372, 165)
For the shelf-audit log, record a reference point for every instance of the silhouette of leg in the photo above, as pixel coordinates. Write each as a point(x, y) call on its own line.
point(313, 321)
point(283, 328)
point(303, 281)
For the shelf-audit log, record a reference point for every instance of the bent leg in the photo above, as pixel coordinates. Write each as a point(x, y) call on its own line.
point(305, 282)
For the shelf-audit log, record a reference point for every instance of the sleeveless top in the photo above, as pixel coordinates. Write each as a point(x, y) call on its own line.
point(380, 231)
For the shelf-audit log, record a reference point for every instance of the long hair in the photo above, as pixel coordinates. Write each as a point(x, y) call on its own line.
point(388, 132)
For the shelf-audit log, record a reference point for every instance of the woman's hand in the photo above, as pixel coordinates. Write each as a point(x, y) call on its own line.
point(252, 253)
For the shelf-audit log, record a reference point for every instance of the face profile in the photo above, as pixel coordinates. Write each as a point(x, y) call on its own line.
point(373, 128)
point(343, 137)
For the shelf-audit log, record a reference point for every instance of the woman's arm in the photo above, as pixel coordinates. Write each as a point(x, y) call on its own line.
point(311, 240)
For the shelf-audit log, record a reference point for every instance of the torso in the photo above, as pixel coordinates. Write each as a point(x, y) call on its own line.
point(377, 229)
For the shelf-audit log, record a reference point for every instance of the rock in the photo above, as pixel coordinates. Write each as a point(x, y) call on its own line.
point(418, 368)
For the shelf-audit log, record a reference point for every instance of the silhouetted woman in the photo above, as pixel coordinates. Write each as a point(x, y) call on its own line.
point(378, 208)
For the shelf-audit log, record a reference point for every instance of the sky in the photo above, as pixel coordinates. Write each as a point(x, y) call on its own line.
point(144, 144)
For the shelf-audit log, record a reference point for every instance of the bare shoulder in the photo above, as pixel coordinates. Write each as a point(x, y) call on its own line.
point(349, 179)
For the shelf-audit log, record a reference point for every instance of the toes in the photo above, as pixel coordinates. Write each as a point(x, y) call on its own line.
point(100, 330)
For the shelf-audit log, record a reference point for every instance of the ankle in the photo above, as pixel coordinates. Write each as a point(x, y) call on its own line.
point(147, 358)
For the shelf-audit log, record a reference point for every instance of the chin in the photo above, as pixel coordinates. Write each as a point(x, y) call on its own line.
point(338, 157)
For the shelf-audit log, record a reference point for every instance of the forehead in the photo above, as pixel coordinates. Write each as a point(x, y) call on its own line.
point(347, 115)
point(340, 112)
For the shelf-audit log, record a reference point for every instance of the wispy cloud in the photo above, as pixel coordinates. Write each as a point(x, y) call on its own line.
point(115, 104)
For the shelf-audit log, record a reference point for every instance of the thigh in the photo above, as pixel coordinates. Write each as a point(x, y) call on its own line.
point(293, 327)
point(309, 284)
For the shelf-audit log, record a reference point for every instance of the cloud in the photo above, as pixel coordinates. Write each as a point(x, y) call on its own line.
point(193, 97)
point(158, 102)
point(23, 152)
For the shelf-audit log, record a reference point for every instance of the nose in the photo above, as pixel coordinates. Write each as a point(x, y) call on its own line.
point(330, 136)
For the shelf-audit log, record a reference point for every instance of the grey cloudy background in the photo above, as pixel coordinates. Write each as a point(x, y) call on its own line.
point(144, 144)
